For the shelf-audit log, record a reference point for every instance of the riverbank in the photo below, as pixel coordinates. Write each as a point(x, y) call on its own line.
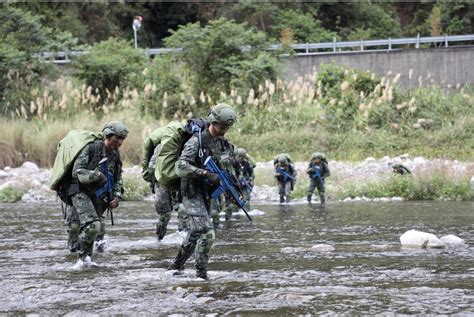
point(368, 180)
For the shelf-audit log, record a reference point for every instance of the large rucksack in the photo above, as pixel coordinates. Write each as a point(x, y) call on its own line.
point(172, 143)
point(151, 146)
point(67, 151)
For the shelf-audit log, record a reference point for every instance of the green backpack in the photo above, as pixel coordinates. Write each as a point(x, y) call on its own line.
point(67, 151)
point(149, 152)
point(172, 141)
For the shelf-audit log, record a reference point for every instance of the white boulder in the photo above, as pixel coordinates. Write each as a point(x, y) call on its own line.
point(30, 167)
point(452, 241)
point(420, 239)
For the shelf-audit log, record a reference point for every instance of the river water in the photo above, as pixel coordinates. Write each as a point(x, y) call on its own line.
point(294, 259)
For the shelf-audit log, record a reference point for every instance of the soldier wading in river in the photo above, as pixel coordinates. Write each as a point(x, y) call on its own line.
point(197, 184)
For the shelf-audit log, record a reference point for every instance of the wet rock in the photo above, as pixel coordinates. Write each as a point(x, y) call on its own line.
point(292, 250)
point(452, 241)
point(322, 248)
point(420, 239)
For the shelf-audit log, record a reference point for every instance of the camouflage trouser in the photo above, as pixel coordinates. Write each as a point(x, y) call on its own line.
point(165, 202)
point(216, 206)
point(284, 190)
point(201, 233)
point(73, 223)
point(90, 213)
point(313, 184)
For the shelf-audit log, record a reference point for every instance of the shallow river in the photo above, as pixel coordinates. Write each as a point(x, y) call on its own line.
point(292, 260)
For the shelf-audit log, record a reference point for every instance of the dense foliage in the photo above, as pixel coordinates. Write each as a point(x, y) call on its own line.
point(223, 55)
point(109, 65)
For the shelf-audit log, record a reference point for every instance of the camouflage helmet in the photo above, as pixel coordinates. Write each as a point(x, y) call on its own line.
point(282, 159)
point(318, 155)
point(115, 127)
point(240, 152)
point(223, 114)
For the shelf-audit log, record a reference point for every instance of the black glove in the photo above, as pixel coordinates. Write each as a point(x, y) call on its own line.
point(102, 180)
point(213, 178)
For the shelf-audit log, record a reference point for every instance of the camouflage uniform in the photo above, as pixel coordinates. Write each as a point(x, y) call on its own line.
point(167, 198)
point(196, 196)
point(285, 185)
point(244, 171)
point(88, 210)
point(320, 168)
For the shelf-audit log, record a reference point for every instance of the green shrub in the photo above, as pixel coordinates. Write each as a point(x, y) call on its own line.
point(164, 94)
point(11, 194)
point(304, 27)
point(111, 64)
point(223, 54)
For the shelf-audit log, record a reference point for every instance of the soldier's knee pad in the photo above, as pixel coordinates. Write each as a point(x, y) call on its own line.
point(208, 237)
point(93, 229)
point(74, 228)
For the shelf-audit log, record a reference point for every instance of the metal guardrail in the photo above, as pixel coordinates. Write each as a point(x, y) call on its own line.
point(302, 49)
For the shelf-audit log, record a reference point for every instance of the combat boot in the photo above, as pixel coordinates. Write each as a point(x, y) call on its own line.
point(282, 199)
point(202, 274)
point(181, 258)
point(160, 231)
point(323, 200)
point(287, 199)
point(308, 198)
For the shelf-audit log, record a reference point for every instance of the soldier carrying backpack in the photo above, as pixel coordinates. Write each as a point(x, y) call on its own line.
point(167, 196)
point(198, 184)
point(87, 175)
point(285, 176)
point(317, 171)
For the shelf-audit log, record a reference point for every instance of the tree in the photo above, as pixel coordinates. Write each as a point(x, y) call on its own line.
point(110, 64)
point(305, 28)
point(220, 56)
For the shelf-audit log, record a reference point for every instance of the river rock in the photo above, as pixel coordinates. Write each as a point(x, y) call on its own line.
point(30, 167)
point(419, 160)
point(292, 250)
point(420, 239)
point(452, 241)
point(322, 248)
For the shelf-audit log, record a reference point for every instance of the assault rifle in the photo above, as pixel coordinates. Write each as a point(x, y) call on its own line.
point(226, 185)
point(284, 174)
point(243, 182)
point(316, 173)
point(106, 190)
